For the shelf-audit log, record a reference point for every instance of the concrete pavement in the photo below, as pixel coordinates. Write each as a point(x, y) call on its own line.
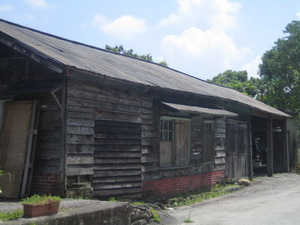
point(269, 200)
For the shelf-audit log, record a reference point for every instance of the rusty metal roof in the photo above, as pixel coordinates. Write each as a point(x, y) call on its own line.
point(104, 63)
point(200, 110)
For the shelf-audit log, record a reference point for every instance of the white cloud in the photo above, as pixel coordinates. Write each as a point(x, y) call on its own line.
point(203, 37)
point(197, 43)
point(225, 14)
point(298, 14)
point(252, 67)
point(39, 4)
point(5, 8)
point(124, 27)
point(217, 14)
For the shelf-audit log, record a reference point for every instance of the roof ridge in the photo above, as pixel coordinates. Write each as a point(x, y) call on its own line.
point(109, 51)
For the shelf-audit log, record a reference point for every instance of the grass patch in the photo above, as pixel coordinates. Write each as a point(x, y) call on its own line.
point(155, 216)
point(112, 199)
point(199, 197)
point(137, 203)
point(16, 214)
point(188, 221)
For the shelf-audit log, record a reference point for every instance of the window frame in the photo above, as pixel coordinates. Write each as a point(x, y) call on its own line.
point(162, 139)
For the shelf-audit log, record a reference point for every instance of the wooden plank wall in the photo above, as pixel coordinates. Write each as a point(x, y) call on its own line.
point(47, 156)
point(220, 143)
point(48, 148)
point(150, 140)
point(104, 139)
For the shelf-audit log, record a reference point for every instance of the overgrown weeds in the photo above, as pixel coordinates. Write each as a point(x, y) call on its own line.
point(193, 198)
point(13, 215)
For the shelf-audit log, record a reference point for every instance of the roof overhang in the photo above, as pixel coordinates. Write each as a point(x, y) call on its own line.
point(198, 110)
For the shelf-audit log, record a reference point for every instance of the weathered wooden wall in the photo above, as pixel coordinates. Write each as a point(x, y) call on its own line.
point(48, 148)
point(104, 139)
point(237, 150)
point(220, 143)
point(24, 79)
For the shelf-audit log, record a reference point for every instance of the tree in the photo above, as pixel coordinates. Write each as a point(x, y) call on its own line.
point(239, 81)
point(120, 49)
point(280, 70)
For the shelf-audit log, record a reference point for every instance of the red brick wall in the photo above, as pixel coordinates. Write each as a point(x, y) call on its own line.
point(171, 186)
point(45, 184)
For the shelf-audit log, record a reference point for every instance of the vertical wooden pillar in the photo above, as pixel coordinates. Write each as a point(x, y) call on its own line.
point(270, 147)
point(285, 149)
point(250, 165)
point(63, 151)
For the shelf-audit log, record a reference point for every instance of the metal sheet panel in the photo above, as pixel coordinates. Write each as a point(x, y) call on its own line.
point(104, 63)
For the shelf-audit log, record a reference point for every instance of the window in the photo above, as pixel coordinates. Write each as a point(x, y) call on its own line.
point(174, 142)
point(166, 130)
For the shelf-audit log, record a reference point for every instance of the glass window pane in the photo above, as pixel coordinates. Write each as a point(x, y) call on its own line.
point(170, 125)
point(165, 125)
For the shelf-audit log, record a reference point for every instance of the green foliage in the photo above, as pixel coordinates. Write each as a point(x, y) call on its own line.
point(137, 203)
point(280, 70)
point(41, 200)
point(188, 221)
point(112, 199)
point(239, 81)
point(16, 214)
point(155, 216)
point(148, 57)
point(199, 197)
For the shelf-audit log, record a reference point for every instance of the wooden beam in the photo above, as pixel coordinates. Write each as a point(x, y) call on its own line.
point(250, 165)
point(270, 147)
point(285, 147)
point(63, 151)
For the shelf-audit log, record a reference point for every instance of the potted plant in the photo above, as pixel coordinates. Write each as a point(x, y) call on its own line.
point(38, 205)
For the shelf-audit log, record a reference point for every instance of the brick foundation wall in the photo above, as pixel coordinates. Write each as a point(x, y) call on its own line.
point(172, 186)
point(45, 184)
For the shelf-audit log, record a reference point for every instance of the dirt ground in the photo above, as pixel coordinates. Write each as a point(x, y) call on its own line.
point(269, 200)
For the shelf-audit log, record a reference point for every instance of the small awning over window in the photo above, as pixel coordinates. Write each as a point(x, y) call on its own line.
point(199, 110)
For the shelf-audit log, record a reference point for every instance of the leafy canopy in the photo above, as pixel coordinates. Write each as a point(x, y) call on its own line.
point(239, 81)
point(280, 70)
point(120, 49)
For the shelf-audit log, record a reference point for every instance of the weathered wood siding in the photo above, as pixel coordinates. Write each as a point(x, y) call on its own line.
point(104, 139)
point(237, 150)
point(48, 148)
point(220, 143)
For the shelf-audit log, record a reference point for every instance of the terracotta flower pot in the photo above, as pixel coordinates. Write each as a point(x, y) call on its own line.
point(40, 210)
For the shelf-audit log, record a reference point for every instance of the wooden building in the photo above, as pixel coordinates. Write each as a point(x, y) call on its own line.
point(74, 115)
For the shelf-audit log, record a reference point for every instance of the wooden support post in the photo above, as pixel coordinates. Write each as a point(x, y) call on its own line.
point(270, 147)
point(250, 165)
point(62, 169)
point(285, 147)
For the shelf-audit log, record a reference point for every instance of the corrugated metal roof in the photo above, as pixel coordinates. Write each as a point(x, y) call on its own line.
point(200, 110)
point(102, 62)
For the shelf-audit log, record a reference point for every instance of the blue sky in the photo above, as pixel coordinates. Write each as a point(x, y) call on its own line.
point(200, 37)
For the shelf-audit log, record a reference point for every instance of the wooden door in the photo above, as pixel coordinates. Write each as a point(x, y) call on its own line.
point(208, 141)
point(236, 150)
point(181, 145)
point(17, 142)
